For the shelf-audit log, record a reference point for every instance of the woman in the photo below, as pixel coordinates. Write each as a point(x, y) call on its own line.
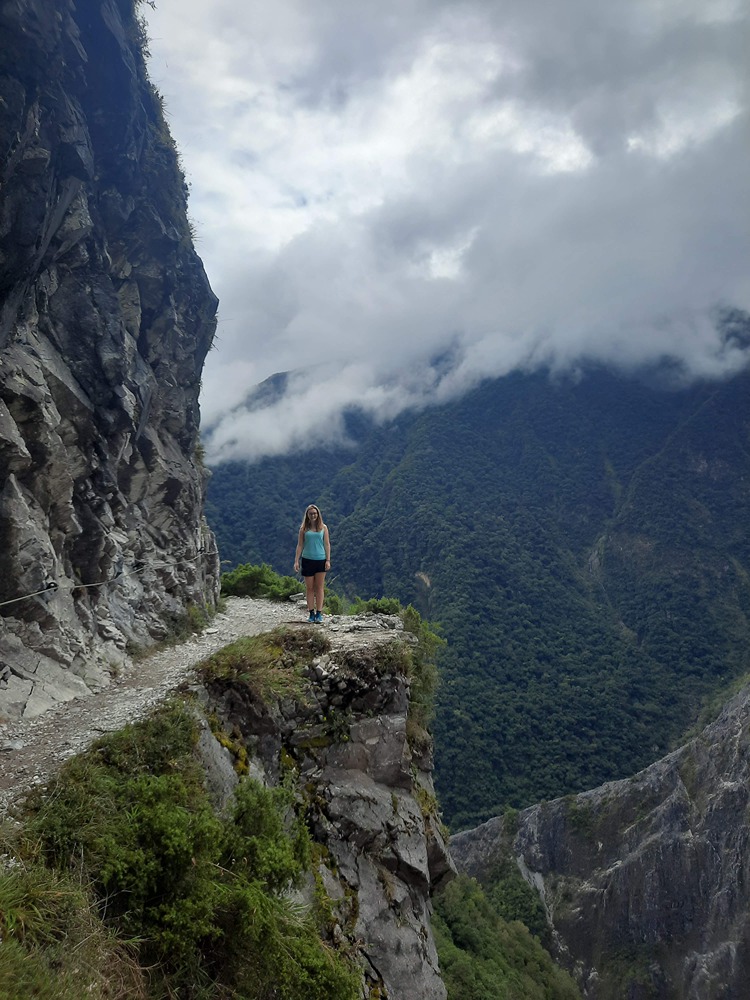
point(314, 548)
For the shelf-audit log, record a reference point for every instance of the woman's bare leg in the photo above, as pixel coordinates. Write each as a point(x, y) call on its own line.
point(310, 592)
point(320, 586)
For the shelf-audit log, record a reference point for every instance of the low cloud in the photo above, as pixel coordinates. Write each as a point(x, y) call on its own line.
point(396, 201)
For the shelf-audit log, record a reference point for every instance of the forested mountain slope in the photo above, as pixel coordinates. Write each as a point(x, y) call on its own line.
point(584, 546)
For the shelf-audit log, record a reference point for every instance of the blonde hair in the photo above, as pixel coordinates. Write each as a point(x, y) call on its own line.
point(307, 524)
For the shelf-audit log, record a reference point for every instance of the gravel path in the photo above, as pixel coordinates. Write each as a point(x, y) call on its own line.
point(32, 750)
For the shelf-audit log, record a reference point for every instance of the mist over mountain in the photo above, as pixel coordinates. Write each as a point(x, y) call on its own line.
point(583, 543)
point(525, 185)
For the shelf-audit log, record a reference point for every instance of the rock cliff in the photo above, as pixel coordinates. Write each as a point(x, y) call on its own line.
point(343, 737)
point(645, 882)
point(106, 316)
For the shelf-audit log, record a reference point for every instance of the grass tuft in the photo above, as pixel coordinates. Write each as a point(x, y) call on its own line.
point(271, 665)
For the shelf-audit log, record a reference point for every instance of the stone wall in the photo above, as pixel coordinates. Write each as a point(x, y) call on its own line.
point(106, 316)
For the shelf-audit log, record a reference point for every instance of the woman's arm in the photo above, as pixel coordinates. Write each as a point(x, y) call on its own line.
point(327, 544)
point(298, 552)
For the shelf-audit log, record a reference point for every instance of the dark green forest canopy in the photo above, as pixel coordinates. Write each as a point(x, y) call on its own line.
point(583, 546)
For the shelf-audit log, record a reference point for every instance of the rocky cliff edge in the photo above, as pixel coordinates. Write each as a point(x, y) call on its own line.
point(106, 316)
point(645, 882)
point(343, 736)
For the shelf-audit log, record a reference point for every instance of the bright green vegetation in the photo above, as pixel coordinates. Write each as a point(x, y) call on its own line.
point(485, 957)
point(259, 581)
point(125, 875)
point(512, 898)
point(584, 548)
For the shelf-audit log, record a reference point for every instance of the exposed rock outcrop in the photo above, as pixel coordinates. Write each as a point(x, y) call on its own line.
point(646, 882)
point(106, 316)
point(363, 772)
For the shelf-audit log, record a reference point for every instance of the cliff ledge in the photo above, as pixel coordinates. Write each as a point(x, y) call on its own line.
point(343, 734)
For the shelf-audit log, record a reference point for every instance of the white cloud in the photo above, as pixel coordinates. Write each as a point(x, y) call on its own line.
point(518, 184)
point(681, 126)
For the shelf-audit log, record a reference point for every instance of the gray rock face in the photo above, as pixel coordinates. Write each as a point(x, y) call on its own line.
point(646, 882)
point(367, 789)
point(106, 316)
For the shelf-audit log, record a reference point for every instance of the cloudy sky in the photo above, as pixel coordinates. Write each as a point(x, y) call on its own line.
point(397, 198)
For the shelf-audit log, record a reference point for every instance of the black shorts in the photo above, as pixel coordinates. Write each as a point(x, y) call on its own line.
point(312, 566)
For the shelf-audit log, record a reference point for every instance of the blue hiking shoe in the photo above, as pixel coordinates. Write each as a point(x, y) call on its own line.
point(319, 618)
point(312, 617)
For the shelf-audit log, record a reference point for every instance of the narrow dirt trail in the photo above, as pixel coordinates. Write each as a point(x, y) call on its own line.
point(33, 749)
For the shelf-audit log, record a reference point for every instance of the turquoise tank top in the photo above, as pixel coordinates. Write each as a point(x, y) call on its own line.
point(313, 547)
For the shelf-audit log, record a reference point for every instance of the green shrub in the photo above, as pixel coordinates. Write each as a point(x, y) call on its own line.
point(256, 842)
point(203, 896)
point(424, 673)
point(513, 899)
point(334, 604)
point(259, 581)
point(378, 605)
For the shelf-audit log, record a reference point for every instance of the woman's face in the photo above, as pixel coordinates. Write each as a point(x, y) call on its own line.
point(313, 513)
